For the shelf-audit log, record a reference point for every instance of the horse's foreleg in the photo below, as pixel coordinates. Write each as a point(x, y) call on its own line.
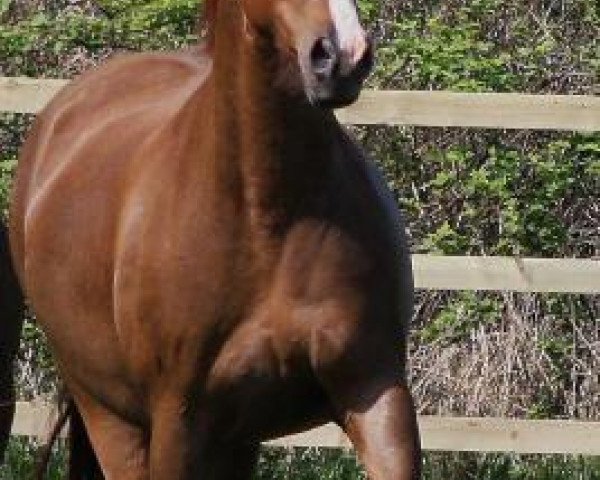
point(177, 442)
point(182, 449)
point(374, 406)
point(384, 433)
point(121, 448)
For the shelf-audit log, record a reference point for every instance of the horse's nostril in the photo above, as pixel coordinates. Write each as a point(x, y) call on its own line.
point(323, 57)
point(365, 63)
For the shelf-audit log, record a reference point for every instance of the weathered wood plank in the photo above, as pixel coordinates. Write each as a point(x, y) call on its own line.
point(34, 419)
point(421, 108)
point(479, 110)
point(567, 275)
point(479, 435)
point(27, 95)
point(437, 433)
point(507, 435)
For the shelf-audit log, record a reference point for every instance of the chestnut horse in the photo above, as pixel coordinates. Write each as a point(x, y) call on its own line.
point(213, 259)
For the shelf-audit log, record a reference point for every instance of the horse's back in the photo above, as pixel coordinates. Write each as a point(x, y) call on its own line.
point(88, 134)
point(130, 81)
point(78, 156)
point(128, 91)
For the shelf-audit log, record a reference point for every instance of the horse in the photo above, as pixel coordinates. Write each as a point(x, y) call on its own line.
point(213, 258)
point(11, 319)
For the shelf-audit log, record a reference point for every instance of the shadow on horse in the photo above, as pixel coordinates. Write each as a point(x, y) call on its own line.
point(213, 259)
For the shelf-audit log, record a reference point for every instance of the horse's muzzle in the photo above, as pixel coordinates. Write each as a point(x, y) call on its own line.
point(338, 74)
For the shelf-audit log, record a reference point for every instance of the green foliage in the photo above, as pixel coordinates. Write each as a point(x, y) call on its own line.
point(20, 461)
point(446, 56)
point(4, 4)
point(38, 374)
point(368, 10)
point(307, 464)
point(6, 171)
point(504, 202)
point(493, 466)
point(507, 202)
point(483, 45)
point(326, 464)
point(37, 45)
point(463, 313)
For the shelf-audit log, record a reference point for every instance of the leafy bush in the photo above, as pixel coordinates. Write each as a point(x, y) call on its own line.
point(7, 166)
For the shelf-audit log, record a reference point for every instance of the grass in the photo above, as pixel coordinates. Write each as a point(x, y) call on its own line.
point(323, 464)
point(20, 461)
point(326, 464)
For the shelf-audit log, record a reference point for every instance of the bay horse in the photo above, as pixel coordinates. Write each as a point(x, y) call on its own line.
point(214, 260)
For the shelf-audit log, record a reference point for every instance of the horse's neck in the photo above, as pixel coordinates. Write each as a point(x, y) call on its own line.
point(273, 150)
point(275, 144)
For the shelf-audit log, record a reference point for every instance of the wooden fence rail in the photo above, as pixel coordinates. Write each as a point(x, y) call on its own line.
point(566, 275)
point(437, 433)
point(388, 107)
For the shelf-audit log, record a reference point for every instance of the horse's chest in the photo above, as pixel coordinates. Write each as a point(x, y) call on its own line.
point(262, 382)
point(265, 378)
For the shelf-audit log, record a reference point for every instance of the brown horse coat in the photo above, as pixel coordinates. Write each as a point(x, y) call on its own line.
point(214, 261)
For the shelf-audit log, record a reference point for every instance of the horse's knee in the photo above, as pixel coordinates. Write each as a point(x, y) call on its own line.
point(383, 428)
point(376, 411)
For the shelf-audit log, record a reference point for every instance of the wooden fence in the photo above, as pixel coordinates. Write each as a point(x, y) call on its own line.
point(388, 107)
point(35, 419)
point(435, 109)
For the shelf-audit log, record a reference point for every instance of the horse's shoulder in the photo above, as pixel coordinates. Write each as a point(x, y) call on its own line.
point(132, 81)
point(125, 100)
point(152, 67)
